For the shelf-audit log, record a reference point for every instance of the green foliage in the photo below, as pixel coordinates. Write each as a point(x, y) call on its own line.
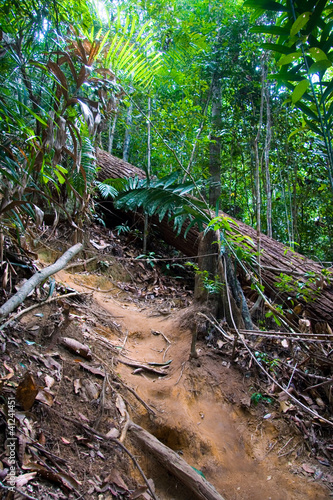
point(264, 359)
point(163, 197)
point(258, 397)
point(123, 229)
point(308, 289)
point(212, 286)
point(308, 61)
point(150, 258)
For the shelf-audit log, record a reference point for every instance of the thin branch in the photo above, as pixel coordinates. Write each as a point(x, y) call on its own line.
point(40, 304)
point(37, 278)
point(295, 400)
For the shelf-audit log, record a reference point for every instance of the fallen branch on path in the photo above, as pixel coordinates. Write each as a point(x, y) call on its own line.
point(38, 278)
point(199, 486)
point(143, 367)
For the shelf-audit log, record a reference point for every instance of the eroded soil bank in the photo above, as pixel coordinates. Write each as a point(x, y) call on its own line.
point(203, 410)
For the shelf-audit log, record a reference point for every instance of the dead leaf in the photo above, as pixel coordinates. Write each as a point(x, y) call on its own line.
point(27, 391)
point(323, 461)
point(305, 325)
point(77, 385)
point(91, 389)
point(93, 369)
point(320, 402)
point(101, 245)
point(24, 479)
point(51, 363)
point(3, 473)
point(65, 441)
point(284, 395)
point(42, 438)
point(285, 406)
point(45, 397)
point(307, 399)
point(307, 468)
point(76, 347)
point(34, 328)
point(61, 477)
point(49, 381)
point(120, 404)
point(113, 433)
point(138, 492)
point(115, 478)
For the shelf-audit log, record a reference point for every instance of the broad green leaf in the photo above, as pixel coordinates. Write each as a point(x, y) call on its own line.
point(289, 58)
point(270, 30)
point(315, 17)
point(300, 22)
point(286, 76)
point(307, 111)
point(317, 54)
point(33, 114)
point(281, 49)
point(62, 169)
point(267, 5)
point(314, 128)
point(320, 66)
point(329, 112)
point(60, 177)
point(299, 90)
point(294, 132)
point(327, 92)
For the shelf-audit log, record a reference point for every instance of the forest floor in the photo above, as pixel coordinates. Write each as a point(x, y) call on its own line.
point(73, 401)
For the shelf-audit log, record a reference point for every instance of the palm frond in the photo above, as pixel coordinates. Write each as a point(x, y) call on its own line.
point(164, 197)
point(106, 190)
point(133, 56)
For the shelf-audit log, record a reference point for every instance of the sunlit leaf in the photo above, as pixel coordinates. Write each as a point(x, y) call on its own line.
point(320, 66)
point(270, 30)
point(317, 54)
point(299, 90)
point(289, 58)
point(267, 5)
point(300, 22)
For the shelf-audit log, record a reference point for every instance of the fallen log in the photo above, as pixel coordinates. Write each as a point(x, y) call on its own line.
point(197, 484)
point(36, 279)
point(276, 257)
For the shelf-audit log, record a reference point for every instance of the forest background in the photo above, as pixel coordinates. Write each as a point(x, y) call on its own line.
point(227, 100)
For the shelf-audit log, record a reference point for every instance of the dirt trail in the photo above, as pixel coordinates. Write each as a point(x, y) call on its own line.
point(203, 414)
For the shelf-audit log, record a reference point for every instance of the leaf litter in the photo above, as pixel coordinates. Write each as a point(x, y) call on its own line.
point(73, 397)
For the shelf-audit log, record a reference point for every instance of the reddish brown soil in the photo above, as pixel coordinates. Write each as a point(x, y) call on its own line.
point(203, 410)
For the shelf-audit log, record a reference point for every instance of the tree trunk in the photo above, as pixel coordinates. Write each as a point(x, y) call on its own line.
point(266, 155)
point(112, 129)
point(215, 144)
point(127, 138)
point(145, 229)
point(207, 250)
point(276, 257)
point(257, 171)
